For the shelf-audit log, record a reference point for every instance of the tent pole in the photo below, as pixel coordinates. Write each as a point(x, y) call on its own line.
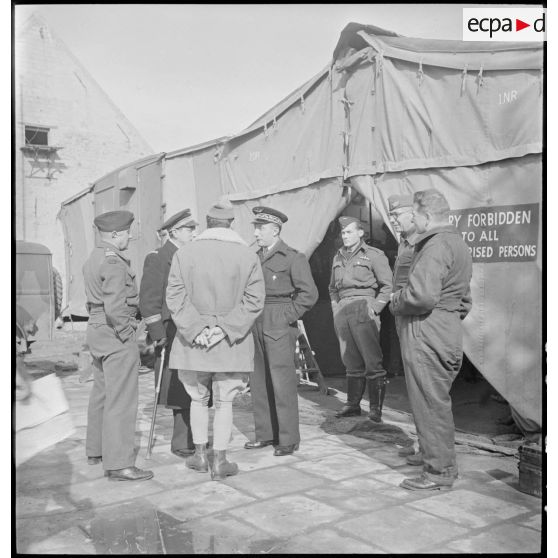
point(370, 221)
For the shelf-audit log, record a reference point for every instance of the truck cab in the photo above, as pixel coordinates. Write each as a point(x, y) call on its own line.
point(36, 291)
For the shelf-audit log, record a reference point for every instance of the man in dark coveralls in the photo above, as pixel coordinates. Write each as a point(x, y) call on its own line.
point(180, 229)
point(359, 289)
point(112, 303)
point(290, 293)
point(430, 308)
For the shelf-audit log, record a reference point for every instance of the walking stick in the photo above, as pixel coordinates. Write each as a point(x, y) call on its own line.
point(157, 390)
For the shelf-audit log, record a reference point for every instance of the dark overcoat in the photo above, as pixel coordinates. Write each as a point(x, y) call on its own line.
point(158, 321)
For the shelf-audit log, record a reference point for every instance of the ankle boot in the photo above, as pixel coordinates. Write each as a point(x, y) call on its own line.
point(198, 461)
point(355, 390)
point(221, 468)
point(376, 395)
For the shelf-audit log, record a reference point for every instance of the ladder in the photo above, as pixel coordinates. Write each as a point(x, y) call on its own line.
point(306, 360)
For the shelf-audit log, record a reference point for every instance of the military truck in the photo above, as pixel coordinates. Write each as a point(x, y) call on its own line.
point(38, 292)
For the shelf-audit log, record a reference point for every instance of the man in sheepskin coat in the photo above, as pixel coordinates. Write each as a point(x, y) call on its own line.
point(215, 293)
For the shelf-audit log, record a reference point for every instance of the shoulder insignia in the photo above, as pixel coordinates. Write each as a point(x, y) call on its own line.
point(153, 252)
point(374, 249)
point(110, 253)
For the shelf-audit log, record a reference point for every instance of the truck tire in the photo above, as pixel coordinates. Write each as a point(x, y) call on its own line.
point(57, 291)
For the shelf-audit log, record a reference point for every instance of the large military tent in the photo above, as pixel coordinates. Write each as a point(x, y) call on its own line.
point(392, 114)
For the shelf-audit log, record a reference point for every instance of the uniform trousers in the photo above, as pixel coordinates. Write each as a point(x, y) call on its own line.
point(273, 384)
point(432, 351)
point(358, 331)
point(113, 402)
point(225, 386)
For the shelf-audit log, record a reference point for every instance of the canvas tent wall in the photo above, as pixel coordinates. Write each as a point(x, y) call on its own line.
point(76, 216)
point(401, 115)
point(153, 188)
point(393, 114)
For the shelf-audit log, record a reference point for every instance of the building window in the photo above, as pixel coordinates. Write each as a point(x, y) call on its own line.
point(35, 135)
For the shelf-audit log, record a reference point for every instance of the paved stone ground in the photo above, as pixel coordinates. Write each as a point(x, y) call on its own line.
point(338, 494)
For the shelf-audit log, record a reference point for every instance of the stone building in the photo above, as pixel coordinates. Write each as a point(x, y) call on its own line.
point(67, 133)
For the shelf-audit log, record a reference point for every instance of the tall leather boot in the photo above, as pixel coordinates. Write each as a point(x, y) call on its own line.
point(199, 460)
point(355, 391)
point(376, 395)
point(221, 468)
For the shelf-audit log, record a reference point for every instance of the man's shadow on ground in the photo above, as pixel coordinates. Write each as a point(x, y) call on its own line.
point(45, 505)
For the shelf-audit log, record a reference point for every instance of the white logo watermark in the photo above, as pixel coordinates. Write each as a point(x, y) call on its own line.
point(504, 24)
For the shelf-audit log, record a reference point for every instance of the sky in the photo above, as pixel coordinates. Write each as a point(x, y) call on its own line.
point(186, 74)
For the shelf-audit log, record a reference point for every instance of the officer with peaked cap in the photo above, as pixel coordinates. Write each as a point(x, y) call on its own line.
point(112, 302)
point(290, 293)
point(359, 289)
point(401, 218)
point(400, 208)
point(180, 229)
point(400, 211)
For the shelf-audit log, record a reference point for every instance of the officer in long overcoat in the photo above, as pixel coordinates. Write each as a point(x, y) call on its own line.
point(180, 228)
point(290, 293)
point(215, 292)
point(112, 302)
point(359, 289)
point(430, 308)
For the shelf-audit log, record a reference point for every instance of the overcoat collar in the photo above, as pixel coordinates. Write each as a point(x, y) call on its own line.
point(222, 234)
point(346, 255)
point(279, 246)
point(169, 247)
point(436, 230)
point(411, 240)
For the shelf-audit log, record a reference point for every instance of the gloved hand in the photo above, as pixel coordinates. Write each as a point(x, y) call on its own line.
point(201, 339)
point(160, 343)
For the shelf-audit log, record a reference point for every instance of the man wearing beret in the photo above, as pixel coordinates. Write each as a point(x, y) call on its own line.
point(215, 292)
point(290, 293)
point(430, 307)
point(112, 303)
point(180, 229)
point(360, 285)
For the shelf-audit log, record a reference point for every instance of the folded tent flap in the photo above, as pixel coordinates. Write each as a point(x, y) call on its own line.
point(457, 54)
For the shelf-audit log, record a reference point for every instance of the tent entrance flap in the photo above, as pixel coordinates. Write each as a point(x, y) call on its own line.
point(310, 210)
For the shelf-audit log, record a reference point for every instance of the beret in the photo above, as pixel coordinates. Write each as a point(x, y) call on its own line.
point(268, 215)
point(346, 221)
point(181, 218)
point(221, 210)
point(398, 201)
point(114, 221)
